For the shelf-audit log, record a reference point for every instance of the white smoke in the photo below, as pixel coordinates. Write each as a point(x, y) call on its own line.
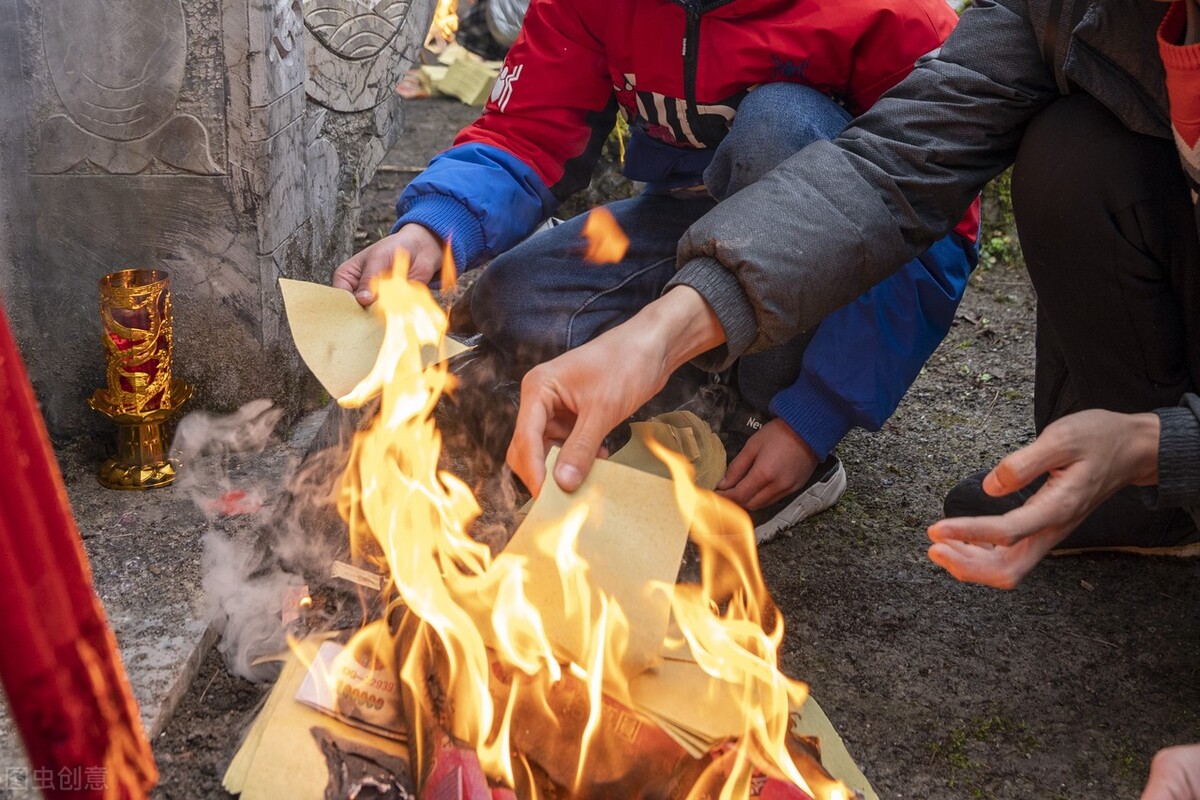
point(294, 530)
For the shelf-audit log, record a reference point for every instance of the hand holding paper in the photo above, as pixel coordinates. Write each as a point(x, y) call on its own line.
point(337, 338)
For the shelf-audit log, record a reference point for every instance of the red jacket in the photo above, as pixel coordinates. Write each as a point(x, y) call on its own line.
point(676, 70)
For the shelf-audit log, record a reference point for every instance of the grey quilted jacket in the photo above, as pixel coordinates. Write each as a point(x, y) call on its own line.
point(837, 218)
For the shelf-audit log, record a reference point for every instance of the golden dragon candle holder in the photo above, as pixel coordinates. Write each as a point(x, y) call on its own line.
point(135, 309)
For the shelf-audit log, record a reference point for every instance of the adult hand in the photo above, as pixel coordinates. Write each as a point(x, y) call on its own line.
point(1089, 455)
point(773, 464)
point(1174, 774)
point(577, 398)
point(358, 273)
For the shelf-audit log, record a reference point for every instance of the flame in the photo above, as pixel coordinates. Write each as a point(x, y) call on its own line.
point(445, 20)
point(467, 617)
point(449, 274)
point(606, 242)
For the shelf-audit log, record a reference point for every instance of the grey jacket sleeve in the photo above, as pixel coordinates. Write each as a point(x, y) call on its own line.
point(1179, 458)
point(840, 216)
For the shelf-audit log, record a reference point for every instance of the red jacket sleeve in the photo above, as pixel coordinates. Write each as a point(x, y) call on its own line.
point(553, 104)
point(887, 49)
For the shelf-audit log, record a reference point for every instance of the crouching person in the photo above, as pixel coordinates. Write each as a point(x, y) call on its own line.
point(717, 94)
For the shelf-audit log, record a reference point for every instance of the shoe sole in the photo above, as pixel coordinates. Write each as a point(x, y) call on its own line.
point(819, 497)
point(1191, 550)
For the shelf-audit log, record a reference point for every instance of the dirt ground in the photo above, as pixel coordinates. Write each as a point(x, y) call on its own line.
point(1063, 688)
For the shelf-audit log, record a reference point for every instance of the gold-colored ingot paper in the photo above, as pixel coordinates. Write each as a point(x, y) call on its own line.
point(135, 310)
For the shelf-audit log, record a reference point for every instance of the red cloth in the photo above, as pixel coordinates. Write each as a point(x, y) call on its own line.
point(59, 663)
point(1182, 64)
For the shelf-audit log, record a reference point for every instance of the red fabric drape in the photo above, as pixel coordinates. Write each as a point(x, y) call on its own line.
point(59, 663)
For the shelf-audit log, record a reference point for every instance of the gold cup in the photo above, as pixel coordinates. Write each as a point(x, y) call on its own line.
point(135, 309)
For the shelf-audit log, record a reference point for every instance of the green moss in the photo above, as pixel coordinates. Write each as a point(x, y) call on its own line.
point(956, 747)
point(998, 245)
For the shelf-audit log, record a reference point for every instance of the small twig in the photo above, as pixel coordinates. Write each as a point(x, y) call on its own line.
point(206, 688)
point(1091, 639)
point(987, 414)
point(390, 168)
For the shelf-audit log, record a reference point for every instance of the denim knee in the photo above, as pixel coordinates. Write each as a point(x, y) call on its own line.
point(515, 314)
point(773, 122)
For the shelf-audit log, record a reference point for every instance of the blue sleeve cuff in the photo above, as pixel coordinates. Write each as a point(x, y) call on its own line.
point(483, 198)
point(817, 415)
point(451, 221)
point(863, 357)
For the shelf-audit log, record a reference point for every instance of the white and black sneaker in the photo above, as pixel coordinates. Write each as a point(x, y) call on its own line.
point(822, 491)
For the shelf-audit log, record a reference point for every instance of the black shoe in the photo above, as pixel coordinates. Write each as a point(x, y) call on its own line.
point(1122, 524)
point(741, 421)
point(968, 499)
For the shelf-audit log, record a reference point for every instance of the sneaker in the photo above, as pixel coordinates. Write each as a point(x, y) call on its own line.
point(968, 499)
point(1123, 524)
point(735, 421)
point(823, 490)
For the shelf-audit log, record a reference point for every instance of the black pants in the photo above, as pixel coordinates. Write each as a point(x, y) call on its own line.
point(1109, 236)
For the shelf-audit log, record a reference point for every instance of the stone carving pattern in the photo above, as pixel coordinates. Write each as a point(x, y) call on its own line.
point(357, 49)
point(288, 35)
point(118, 69)
point(355, 28)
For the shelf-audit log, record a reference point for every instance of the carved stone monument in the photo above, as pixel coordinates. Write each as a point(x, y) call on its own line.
point(223, 141)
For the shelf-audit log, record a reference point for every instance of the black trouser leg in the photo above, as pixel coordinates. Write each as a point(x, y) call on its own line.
point(1109, 237)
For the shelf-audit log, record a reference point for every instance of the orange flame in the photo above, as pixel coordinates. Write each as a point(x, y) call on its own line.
point(606, 242)
point(445, 20)
point(449, 276)
point(402, 510)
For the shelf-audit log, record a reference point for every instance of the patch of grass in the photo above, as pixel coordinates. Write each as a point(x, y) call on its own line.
point(958, 747)
point(998, 245)
point(953, 750)
point(1128, 762)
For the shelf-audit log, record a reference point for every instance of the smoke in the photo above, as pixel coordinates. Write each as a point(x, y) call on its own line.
point(268, 538)
point(243, 607)
point(272, 540)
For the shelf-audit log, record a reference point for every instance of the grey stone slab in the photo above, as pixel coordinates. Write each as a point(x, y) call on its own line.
point(125, 87)
point(276, 48)
point(266, 121)
point(145, 553)
point(180, 135)
point(95, 227)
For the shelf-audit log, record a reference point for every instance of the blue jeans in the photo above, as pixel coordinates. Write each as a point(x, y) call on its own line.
point(540, 298)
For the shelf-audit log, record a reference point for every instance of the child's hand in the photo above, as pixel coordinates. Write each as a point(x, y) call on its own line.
point(357, 274)
point(773, 464)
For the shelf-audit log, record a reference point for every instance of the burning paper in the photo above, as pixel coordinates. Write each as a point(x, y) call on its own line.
point(337, 338)
point(296, 751)
point(357, 685)
point(623, 505)
point(539, 660)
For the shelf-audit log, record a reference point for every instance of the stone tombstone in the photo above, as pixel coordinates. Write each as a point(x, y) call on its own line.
point(224, 141)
